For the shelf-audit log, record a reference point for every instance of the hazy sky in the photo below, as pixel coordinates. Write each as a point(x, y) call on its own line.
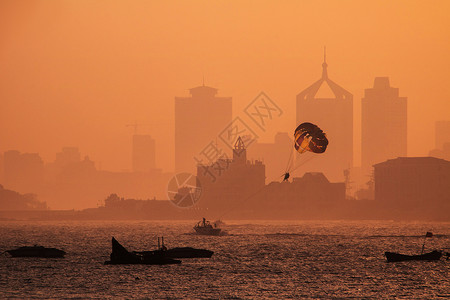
point(74, 73)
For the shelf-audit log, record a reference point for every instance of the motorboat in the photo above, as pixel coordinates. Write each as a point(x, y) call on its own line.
point(36, 251)
point(205, 228)
point(121, 256)
point(181, 252)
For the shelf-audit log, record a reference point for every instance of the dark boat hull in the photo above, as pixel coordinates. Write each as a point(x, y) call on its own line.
point(394, 257)
point(181, 252)
point(121, 256)
point(159, 261)
point(37, 252)
point(207, 231)
point(188, 252)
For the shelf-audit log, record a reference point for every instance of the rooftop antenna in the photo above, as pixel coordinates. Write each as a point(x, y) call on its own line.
point(324, 65)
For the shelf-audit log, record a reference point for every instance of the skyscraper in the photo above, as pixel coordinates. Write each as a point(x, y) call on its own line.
point(199, 120)
point(383, 120)
point(143, 153)
point(334, 115)
point(442, 133)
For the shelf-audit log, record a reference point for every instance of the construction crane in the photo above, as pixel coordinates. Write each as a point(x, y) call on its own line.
point(135, 125)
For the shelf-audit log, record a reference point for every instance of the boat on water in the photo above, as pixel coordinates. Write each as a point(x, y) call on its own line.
point(205, 228)
point(394, 257)
point(430, 256)
point(36, 251)
point(188, 252)
point(181, 252)
point(121, 256)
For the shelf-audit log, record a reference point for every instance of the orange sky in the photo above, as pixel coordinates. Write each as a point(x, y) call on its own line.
point(74, 73)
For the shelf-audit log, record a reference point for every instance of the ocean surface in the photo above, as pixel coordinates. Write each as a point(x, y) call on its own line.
point(256, 259)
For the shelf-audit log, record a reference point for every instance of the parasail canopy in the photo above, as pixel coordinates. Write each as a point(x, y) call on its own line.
point(309, 137)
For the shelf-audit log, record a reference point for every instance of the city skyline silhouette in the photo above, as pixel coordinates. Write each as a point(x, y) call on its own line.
point(83, 100)
point(80, 90)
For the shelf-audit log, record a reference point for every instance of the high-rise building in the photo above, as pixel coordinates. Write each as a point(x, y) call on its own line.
point(383, 120)
point(333, 113)
point(442, 133)
point(143, 153)
point(199, 120)
point(2, 170)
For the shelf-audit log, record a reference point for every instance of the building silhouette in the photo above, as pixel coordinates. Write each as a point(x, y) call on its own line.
point(2, 171)
point(67, 156)
point(309, 196)
point(23, 172)
point(442, 131)
point(199, 120)
point(237, 186)
point(274, 155)
point(443, 153)
point(413, 182)
point(143, 153)
point(333, 113)
point(73, 183)
point(226, 181)
point(14, 201)
point(384, 127)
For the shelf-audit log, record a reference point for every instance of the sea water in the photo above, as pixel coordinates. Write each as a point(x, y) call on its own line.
point(256, 259)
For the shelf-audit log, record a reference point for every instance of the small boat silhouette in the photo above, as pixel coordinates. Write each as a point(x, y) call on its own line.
point(394, 257)
point(121, 256)
point(36, 251)
point(205, 228)
point(433, 255)
point(181, 252)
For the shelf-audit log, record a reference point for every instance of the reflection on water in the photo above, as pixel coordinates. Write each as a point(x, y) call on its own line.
point(256, 259)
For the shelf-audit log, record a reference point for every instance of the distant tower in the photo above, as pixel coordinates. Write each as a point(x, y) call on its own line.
point(383, 120)
point(333, 113)
point(239, 152)
point(143, 153)
point(442, 133)
point(199, 120)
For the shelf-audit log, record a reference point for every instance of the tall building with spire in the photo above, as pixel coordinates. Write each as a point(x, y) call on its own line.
point(384, 127)
point(199, 120)
point(333, 113)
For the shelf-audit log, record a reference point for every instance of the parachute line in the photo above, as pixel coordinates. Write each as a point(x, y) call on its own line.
point(291, 159)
